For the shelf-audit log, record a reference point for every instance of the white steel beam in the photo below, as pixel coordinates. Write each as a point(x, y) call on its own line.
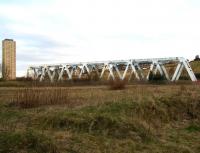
point(189, 70)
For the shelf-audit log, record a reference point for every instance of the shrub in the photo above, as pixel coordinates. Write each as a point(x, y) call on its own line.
point(156, 77)
point(117, 84)
point(24, 79)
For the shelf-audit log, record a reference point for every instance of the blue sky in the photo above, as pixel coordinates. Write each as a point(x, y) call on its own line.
point(61, 31)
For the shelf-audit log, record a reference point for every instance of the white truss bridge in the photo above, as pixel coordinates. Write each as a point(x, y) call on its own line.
point(120, 69)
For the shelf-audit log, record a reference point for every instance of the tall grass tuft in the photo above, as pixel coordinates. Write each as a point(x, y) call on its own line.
point(35, 97)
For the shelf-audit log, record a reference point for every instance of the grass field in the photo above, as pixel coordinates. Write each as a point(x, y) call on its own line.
point(96, 119)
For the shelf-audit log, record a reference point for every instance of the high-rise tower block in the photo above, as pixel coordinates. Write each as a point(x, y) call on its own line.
point(9, 59)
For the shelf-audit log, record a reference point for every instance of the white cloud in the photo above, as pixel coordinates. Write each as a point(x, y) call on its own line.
point(108, 29)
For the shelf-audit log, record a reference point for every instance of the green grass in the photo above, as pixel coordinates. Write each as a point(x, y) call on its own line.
point(193, 128)
point(29, 141)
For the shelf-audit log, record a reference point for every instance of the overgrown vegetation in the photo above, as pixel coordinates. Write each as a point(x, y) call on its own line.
point(140, 118)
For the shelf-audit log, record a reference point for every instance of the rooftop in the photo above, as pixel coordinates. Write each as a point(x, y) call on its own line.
point(8, 40)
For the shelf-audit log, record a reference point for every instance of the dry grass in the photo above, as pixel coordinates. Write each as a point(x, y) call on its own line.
point(140, 118)
point(35, 97)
